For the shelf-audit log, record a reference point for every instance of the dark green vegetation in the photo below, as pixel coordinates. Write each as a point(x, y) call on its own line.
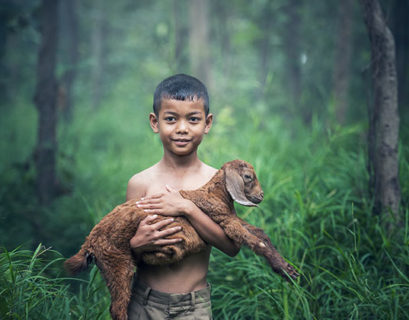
point(316, 211)
point(311, 161)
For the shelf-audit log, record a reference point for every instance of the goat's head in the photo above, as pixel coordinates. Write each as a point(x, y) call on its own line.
point(242, 183)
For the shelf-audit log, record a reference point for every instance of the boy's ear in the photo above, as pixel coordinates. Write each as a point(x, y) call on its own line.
point(209, 122)
point(153, 120)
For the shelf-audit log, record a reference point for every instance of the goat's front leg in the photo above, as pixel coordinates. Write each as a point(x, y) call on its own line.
point(243, 233)
point(278, 261)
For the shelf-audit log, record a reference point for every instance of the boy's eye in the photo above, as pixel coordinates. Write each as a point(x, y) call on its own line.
point(170, 119)
point(194, 119)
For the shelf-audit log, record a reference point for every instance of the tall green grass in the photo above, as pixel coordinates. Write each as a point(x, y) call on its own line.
point(33, 287)
point(318, 213)
point(316, 210)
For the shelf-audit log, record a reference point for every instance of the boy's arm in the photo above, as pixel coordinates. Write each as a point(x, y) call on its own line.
point(173, 204)
point(209, 230)
point(149, 234)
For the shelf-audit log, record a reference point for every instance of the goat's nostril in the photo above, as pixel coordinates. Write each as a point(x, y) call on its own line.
point(261, 195)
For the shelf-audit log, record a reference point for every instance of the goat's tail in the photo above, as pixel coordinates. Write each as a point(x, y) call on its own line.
point(78, 262)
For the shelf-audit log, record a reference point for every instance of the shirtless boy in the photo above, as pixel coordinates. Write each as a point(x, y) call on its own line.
point(179, 291)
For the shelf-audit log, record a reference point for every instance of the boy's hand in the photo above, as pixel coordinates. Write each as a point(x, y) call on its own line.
point(167, 204)
point(149, 235)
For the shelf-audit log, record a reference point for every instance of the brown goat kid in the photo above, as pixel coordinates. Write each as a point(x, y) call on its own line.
point(108, 242)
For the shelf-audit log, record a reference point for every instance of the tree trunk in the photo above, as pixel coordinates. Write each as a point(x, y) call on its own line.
point(400, 30)
point(97, 43)
point(181, 34)
point(343, 48)
point(45, 101)
point(265, 23)
point(199, 40)
point(70, 35)
point(221, 12)
point(291, 42)
point(383, 113)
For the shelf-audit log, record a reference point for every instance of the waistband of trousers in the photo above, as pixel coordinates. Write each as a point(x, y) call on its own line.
point(147, 293)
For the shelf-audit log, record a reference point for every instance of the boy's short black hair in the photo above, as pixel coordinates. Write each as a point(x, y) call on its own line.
point(180, 87)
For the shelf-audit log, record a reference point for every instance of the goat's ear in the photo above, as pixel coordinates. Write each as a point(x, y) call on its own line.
point(235, 186)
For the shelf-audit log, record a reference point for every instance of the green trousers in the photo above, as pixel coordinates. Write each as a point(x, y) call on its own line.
point(147, 303)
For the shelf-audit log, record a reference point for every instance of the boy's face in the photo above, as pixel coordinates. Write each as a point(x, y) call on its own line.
point(181, 125)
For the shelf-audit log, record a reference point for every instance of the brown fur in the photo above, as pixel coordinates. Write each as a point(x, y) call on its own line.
point(108, 242)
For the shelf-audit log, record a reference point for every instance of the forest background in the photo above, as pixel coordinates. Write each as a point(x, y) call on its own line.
point(290, 85)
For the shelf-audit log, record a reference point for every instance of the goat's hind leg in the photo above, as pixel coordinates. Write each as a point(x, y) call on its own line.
point(118, 272)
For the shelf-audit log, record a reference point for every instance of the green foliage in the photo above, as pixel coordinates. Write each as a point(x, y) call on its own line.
point(32, 287)
point(316, 211)
point(319, 216)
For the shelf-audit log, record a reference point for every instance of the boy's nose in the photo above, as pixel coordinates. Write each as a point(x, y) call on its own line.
point(181, 127)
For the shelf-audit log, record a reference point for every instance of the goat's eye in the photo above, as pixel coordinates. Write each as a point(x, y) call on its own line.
point(247, 177)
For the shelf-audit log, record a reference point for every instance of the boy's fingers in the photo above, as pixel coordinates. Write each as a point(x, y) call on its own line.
point(146, 201)
point(149, 206)
point(163, 242)
point(160, 224)
point(155, 196)
point(168, 232)
point(149, 218)
point(153, 211)
point(143, 204)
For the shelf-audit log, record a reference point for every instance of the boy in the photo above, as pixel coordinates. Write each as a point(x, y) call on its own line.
point(181, 117)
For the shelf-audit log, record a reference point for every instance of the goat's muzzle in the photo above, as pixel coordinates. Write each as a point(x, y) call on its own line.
point(256, 198)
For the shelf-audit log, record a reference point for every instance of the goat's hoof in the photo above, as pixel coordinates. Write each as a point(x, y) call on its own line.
point(291, 272)
point(288, 273)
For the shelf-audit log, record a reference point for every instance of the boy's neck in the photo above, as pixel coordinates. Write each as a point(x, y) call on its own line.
point(176, 163)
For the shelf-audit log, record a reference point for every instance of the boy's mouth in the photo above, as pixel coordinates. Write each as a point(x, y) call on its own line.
point(181, 142)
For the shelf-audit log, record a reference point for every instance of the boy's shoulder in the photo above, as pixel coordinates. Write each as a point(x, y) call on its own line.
point(208, 171)
point(139, 182)
point(200, 177)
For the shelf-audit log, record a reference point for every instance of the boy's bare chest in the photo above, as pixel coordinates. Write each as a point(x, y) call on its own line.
point(158, 184)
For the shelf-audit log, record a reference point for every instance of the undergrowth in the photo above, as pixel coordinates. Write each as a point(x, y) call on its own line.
point(316, 210)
